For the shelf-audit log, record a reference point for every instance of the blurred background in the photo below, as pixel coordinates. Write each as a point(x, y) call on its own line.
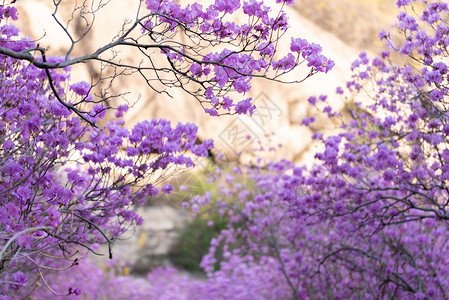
point(169, 236)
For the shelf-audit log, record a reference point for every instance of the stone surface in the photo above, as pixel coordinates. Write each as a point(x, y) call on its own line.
point(280, 107)
point(147, 246)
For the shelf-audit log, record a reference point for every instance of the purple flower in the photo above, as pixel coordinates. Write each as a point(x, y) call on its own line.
point(196, 69)
point(339, 90)
point(9, 30)
point(383, 35)
point(436, 95)
point(82, 88)
point(245, 106)
point(285, 63)
point(266, 49)
point(227, 6)
point(400, 3)
point(8, 145)
point(339, 207)
point(20, 278)
point(308, 121)
point(241, 85)
point(8, 12)
point(211, 111)
point(120, 110)
point(288, 2)
point(312, 100)
point(299, 45)
point(167, 188)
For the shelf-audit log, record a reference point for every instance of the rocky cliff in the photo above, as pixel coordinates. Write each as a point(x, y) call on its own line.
point(341, 27)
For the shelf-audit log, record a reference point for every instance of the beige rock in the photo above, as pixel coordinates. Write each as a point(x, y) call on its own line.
point(274, 114)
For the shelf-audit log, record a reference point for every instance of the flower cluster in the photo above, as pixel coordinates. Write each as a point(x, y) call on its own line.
point(166, 284)
point(248, 53)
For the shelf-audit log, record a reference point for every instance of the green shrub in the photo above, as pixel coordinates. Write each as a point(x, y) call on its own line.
point(193, 242)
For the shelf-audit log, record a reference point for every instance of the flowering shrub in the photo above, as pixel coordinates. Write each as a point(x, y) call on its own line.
point(246, 282)
point(369, 219)
point(64, 183)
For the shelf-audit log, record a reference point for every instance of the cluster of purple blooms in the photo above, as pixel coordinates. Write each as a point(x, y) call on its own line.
point(249, 52)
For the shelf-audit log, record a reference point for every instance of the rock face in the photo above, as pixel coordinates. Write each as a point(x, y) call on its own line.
point(280, 107)
point(147, 246)
point(355, 22)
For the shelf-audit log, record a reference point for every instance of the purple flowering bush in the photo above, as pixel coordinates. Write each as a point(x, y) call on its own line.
point(369, 219)
point(67, 186)
point(246, 282)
